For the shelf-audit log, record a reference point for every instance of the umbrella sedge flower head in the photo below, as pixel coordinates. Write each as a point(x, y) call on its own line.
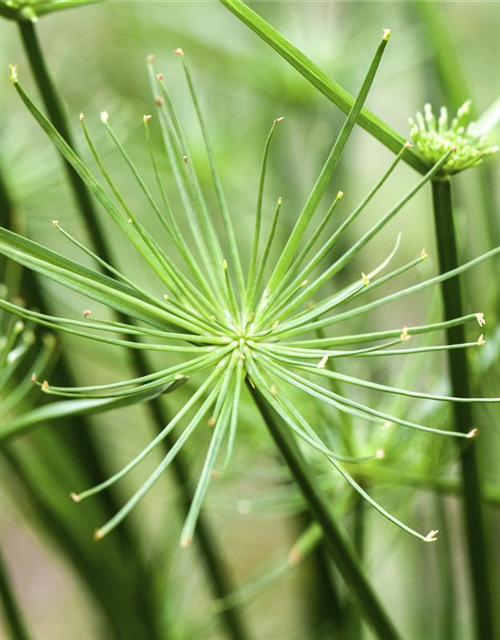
point(239, 327)
point(434, 136)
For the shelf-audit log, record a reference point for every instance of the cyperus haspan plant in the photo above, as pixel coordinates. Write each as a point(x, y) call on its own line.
point(259, 328)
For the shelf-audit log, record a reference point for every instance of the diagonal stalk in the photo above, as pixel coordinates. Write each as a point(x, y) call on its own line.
point(328, 87)
point(460, 383)
point(14, 621)
point(212, 554)
point(338, 546)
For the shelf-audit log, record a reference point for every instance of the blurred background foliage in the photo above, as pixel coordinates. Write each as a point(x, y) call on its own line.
point(138, 583)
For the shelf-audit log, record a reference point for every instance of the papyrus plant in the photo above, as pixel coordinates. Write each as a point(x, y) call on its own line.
point(254, 326)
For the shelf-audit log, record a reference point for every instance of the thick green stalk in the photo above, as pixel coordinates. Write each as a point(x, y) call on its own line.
point(452, 81)
point(212, 555)
point(328, 87)
point(13, 617)
point(446, 573)
point(325, 613)
point(460, 383)
point(338, 546)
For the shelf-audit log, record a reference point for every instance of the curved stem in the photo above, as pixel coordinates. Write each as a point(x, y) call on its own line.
point(338, 546)
point(210, 551)
point(13, 617)
point(460, 383)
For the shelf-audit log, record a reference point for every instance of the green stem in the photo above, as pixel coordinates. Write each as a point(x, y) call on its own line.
point(56, 113)
point(13, 617)
point(446, 573)
point(328, 87)
point(325, 613)
point(338, 546)
point(212, 554)
point(354, 622)
point(453, 82)
point(460, 383)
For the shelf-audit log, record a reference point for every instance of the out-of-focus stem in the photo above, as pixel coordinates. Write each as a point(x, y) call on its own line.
point(338, 546)
point(460, 383)
point(14, 620)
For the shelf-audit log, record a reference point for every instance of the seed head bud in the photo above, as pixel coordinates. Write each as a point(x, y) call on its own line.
point(159, 100)
point(404, 335)
point(481, 341)
point(431, 536)
point(75, 497)
point(45, 386)
point(159, 77)
point(380, 455)
point(104, 116)
point(98, 535)
point(273, 390)
point(150, 58)
point(424, 255)
point(34, 377)
point(340, 195)
point(322, 363)
point(211, 421)
point(55, 223)
point(386, 34)
point(185, 159)
point(366, 279)
point(473, 433)
point(278, 120)
point(87, 313)
point(13, 73)
point(480, 319)
point(146, 118)
point(178, 52)
point(185, 542)
point(82, 117)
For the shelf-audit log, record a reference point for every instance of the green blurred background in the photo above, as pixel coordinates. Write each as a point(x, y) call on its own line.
point(97, 59)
